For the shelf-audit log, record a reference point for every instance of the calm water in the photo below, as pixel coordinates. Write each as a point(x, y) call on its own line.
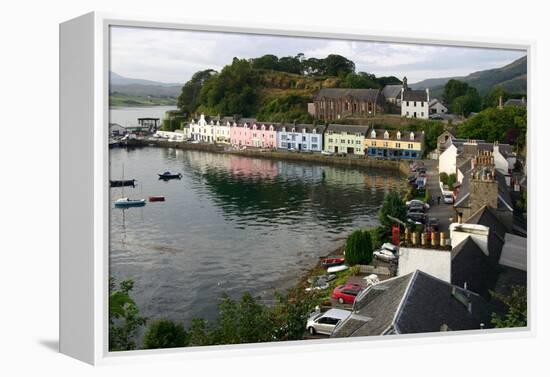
point(128, 116)
point(231, 224)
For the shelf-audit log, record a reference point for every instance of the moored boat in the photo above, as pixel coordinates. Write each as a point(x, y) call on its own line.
point(122, 182)
point(167, 175)
point(127, 202)
point(339, 268)
point(329, 262)
point(157, 198)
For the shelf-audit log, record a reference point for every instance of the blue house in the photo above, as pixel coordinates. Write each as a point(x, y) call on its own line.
point(300, 137)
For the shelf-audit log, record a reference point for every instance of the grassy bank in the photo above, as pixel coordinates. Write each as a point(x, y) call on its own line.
point(118, 99)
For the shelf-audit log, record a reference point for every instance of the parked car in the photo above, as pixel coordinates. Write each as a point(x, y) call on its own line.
point(417, 209)
point(448, 198)
point(433, 224)
point(324, 323)
point(345, 294)
point(417, 217)
point(436, 117)
point(421, 170)
point(384, 255)
point(412, 178)
point(417, 203)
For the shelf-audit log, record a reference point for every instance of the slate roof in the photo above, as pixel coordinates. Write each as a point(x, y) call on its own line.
point(504, 199)
point(361, 94)
point(413, 303)
point(405, 135)
point(472, 266)
point(497, 231)
point(299, 127)
point(392, 91)
point(415, 95)
point(516, 102)
point(349, 128)
point(514, 252)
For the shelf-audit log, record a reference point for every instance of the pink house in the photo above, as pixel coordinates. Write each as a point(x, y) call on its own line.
point(240, 135)
point(264, 136)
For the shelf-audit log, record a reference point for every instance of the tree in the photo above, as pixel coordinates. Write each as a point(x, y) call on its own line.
point(291, 313)
point(164, 333)
point(443, 178)
point(493, 97)
point(451, 181)
point(188, 99)
point(393, 206)
point(359, 248)
point(360, 80)
point(124, 317)
point(517, 308)
point(454, 89)
point(269, 62)
point(337, 65)
point(467, 103)
point(503, 125)
point(199, 333)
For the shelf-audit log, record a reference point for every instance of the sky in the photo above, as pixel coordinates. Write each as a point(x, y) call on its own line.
point(172, 56)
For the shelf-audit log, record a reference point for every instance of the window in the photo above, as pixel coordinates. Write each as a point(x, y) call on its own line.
point(314, 139)
point(330, 140)
point(398, 145)
point(422, 113)
point(357, 141)
point(303, 138)
point(407, 105)
point(313, 146)
point(342, 141)
point(414, 103)
point(407, 113)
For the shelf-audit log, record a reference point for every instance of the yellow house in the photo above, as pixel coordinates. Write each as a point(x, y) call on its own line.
point(394, 144)
point(342, 138)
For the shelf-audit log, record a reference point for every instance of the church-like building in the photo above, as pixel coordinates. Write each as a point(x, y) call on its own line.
point(337, 103)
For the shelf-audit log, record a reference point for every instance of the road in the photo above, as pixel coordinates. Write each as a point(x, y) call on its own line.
point(441, 211)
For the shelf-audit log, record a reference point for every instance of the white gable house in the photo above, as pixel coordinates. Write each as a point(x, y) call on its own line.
point(414, 103)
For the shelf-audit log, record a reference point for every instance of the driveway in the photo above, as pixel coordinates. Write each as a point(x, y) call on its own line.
point(441, 211)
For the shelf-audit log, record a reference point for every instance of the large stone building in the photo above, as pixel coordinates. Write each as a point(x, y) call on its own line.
point(337, 103)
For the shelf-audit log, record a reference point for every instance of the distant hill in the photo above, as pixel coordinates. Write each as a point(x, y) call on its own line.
point(512, 77)
point(142, 88)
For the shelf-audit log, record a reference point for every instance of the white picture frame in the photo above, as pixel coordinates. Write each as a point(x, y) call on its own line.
point(84, 205)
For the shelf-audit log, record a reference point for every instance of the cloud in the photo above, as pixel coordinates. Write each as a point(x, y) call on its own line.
point(174, 55)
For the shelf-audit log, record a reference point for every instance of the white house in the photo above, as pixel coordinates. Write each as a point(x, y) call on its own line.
point(221, 132)
point(436, 107)
point(414, 103)
point(447, 160)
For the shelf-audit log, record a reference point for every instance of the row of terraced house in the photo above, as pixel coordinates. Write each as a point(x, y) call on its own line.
point(331, 138)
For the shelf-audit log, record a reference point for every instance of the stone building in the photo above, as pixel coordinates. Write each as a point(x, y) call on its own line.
point(337, 103)
point(484, 185)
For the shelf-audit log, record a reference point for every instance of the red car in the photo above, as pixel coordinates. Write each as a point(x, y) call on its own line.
point(345, 294)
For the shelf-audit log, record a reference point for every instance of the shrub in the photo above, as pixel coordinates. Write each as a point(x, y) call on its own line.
point(443, 177)
point(359, 248)
point(451, 181)
point(393, 206)
point(354, 270)
point(164, 333)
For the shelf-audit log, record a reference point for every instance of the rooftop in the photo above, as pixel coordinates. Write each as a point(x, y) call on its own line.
point(361, 94)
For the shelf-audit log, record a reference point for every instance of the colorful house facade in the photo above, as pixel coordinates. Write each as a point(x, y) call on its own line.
point(264, 136)
point(394, 144)
point(348, 139)
point(240, 135)
point(222, 132)
point(300, 137)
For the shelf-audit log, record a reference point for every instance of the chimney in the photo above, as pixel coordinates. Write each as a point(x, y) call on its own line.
point(433, 235)
point(407, 235)
point(459, 218)
point(423, 239)
point(413, 241)
point(442, 239)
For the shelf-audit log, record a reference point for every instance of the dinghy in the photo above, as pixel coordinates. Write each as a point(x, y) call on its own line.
point(122, 182)
point(167, 175)
point(127, 202)
point(157, 198)
point(339, 268)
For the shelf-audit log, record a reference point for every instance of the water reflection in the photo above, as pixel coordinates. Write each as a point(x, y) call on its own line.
point(231, 224)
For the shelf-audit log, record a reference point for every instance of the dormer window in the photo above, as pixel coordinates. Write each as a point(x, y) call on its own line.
point(284, 129)
point(398, 135)
point(314, 131)
point(386, 135)
point(412, 136)
point(304, 130)
point(373, 134)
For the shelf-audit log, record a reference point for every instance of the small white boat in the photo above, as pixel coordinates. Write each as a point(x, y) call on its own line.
point(384, 255)
point(127, 202)
point(339, 268)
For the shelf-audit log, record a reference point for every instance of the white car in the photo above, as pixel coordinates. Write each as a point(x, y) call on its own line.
point(324, 323)
point(390, 247)
point(416, 202)
point(384, 255)
point(327, 153)
point(448, 199)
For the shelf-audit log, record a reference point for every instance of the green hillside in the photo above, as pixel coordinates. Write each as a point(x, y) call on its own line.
point(512, 78)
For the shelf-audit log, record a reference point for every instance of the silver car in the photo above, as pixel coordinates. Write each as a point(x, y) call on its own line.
point(324, 323)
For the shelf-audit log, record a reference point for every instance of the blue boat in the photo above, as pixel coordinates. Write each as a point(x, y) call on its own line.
point(127, 203)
